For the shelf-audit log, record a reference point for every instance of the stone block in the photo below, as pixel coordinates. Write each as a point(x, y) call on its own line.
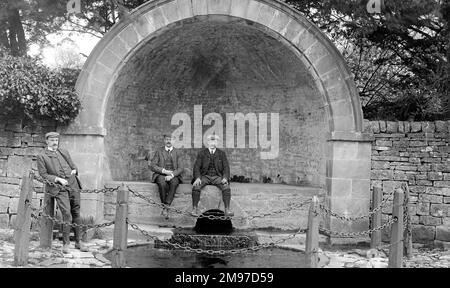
point(430, 198)
point(383, 143)
point(220, 7)
point(339, 187)
point(438, 191)
point(345, 150)
point(441, 126)
point(416, 127)
point(13, 205)
point(440, 210)
point(354, 169)
point(101, 73)
point(380, 165)
point(3, 167)
point(4, 220)
point(238, 7)
point(361, 188)
point(391, 127)
point(382, 175)
point(442, 184)
point(118, 47)
point(4, 204)
point(424, 183)
point(184, 9)
point(430, 220)
point(423, 234)
point(443, 233)
point(383, 126)
point(109, 59)
point(17, 166)
point(423, 208)
point(374, 127)
point(441, 245)
point(446, 200)
point(170, 11)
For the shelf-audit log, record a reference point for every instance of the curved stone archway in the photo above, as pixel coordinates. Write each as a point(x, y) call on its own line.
point(347, 151)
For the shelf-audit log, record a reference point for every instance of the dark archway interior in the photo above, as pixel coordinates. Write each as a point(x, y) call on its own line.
point(226, 67)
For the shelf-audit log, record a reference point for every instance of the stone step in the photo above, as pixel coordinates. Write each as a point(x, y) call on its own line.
point(247, 201)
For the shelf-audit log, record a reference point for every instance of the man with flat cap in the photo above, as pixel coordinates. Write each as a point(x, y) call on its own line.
point(55, 165)
point(167, 168)
point(211, 168)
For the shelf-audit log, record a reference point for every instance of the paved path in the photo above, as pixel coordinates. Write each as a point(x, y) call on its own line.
point(348, 258)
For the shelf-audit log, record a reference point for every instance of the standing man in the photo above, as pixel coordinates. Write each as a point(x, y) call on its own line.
point(56, 166)
point(166, 167)
point(211, 168)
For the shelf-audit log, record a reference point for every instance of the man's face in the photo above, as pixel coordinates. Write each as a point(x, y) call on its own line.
point(168, 141)
point(52, 142)
point(212, 143)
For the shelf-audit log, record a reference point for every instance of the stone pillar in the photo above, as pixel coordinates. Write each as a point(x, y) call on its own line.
point(348, 179)
point(87, 151)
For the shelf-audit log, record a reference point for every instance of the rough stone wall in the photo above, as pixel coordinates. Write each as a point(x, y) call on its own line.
point(225, 69)
point(416, 153)
point(20, 142)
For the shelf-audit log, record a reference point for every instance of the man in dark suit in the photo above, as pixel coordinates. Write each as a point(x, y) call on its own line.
point(166, 167)
point(211, 168)
point(55, 165)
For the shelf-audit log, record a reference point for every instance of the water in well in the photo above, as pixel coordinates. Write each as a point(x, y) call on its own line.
point(211, 234)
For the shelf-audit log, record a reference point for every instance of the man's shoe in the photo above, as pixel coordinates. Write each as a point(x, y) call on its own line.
point(81, 247)
point(195, 212)
point(229, 213)
point(65, 248)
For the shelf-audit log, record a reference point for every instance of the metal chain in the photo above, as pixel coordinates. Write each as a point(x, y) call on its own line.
point(356, 234)
point(66, 188)
point(213, 217)
point(43, 214)
point(351, 219)
point(217, 252)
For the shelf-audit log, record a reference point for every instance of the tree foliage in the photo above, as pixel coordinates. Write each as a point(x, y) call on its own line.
point(400, 58)
point(30, 89)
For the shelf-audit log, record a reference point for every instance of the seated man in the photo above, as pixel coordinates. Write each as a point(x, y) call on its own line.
point(166, 168)
point(211, 168)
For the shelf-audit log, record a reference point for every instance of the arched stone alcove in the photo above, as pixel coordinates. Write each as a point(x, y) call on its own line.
point(249, 56)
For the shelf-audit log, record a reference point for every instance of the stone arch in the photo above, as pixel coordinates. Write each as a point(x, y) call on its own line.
point(348, 150)
point(314, 49)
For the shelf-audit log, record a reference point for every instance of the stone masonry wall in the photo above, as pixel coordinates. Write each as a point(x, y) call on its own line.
point(20, 142)
point(416, 153)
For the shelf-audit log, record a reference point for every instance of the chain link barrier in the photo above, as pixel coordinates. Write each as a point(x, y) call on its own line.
point(216, 252)
point(213, 217)
point(41, 213)
point(352, 219)
point(69, 189)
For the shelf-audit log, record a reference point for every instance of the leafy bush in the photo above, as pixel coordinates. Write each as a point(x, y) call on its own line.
point(28, 88)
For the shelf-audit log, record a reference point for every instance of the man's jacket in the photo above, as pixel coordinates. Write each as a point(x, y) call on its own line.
point(158, 161)
point(48, 166)
point(220, 163)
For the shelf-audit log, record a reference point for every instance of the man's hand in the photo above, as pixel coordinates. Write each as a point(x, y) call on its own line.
point(167, 172)
point(74, 172)
point(224, 181)
point(61, 181)
point(169, 177)
point(198, 182)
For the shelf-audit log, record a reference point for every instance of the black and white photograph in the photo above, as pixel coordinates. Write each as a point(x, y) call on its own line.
point(242, 135)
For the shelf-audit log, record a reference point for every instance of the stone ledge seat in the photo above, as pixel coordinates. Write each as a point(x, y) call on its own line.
point(247, 200)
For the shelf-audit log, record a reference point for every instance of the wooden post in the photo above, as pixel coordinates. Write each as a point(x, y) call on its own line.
point(407, 235)
point(120, 229)
point(46, 225)
point(23, 222)
point(375, 237)
point(312, 235)
point(396, 248)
